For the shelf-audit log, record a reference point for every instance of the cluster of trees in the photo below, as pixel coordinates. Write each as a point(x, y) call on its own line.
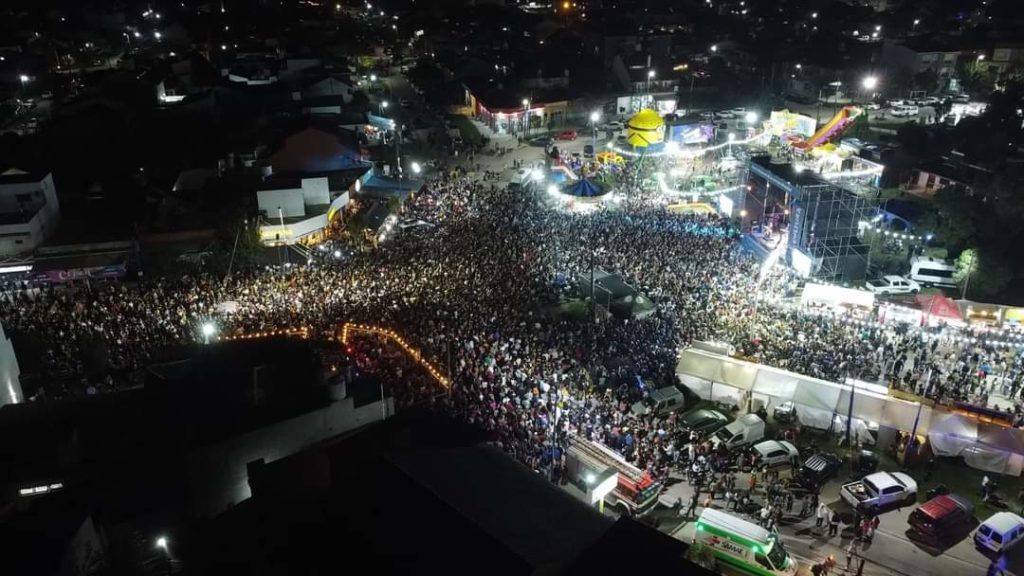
point(980, 222)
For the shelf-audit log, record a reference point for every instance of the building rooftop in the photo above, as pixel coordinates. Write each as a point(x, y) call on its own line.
point(419, 494)
point(18, 176)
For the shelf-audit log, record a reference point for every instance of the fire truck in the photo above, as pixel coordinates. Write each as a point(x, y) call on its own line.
point(587, 462)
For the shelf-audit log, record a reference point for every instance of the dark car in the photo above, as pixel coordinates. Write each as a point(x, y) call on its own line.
point(942, 519)
point(540, 141)
point(704, 421)
point(817, 470)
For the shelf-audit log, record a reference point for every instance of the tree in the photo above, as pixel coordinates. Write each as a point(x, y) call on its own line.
point(953, 217)
point(981, 274)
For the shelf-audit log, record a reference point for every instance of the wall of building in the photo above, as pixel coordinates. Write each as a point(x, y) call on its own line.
point(292, 232)
point(315, 191)
point(217, 474)
point(10, 373)
point(289, 200)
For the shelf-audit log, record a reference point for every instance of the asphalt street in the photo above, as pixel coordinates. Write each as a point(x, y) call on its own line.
point(890, 553)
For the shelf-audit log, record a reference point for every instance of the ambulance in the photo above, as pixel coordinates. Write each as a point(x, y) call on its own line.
point(743, 545)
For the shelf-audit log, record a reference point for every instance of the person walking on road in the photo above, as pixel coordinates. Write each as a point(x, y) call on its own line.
point(851, 554)
point(822, 514)
point(692, 510)
point(833, 523)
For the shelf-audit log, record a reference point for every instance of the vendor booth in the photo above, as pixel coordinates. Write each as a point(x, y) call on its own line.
point(826, 405)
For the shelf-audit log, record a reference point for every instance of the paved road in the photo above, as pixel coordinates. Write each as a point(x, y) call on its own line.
point(891, 553)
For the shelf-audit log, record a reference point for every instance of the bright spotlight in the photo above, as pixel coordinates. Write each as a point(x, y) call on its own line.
point(416, 168)
point(161, 543)
point(552, 189)
point(208, 329)
point(870, 83)
point(751, 117)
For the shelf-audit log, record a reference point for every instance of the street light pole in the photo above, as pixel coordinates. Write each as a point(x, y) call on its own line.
point(594, 116)
point(526, 118)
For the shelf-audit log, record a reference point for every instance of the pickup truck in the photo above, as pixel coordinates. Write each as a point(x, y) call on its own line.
point(893, 285)
point(879, 490)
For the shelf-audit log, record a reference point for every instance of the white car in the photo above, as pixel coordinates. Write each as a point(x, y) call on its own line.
point(726, 114)
point(612, 126)
point(775, 453)
point(872, 106)
point(899, 111)
point(707, 115)
point(893, 285)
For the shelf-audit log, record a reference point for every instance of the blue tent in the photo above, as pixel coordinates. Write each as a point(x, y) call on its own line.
point(584, 188)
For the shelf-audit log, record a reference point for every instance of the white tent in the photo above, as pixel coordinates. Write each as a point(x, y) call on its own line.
point(951, 434)
point(823, 405)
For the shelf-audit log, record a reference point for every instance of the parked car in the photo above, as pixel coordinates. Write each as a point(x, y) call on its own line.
point(879, 490)
point(707, 115)
point(540, 141)
point(612, 126)
point(904, 111)
point(941, 519)
point(1000, 532)
point(588, 151)
point(892, 285)
point(775, 453)
point(566, 135)
point(872, 106)
point(725, 114)
point(704, 421)
point(817, 470)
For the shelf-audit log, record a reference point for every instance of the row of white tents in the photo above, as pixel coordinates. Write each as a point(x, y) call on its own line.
point(821, 404)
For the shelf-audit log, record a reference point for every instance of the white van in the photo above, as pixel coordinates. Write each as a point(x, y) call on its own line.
point(932, 272)
point(743, 431)
point(1001, 531)
point(742, 545)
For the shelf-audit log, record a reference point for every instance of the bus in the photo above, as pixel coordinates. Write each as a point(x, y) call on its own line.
point(743, 545)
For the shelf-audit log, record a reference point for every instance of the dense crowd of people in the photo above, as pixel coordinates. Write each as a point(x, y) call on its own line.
point(482, 289)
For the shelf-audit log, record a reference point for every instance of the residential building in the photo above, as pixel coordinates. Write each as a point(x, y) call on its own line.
point(1005, 57)
point(468, 506)
point(951, 171)
point(29, 211)
point(915, 55)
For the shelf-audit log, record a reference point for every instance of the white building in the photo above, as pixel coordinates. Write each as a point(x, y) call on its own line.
point(298, 208)
point(312, 177)
point(10, 373)
point(29, 211)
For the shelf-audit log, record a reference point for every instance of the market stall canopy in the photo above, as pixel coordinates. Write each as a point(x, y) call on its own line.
point(939, 306)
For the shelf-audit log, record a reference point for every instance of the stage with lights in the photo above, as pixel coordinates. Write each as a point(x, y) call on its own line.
point(820, 216)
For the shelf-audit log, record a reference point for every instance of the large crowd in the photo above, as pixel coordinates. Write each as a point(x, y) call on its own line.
point(482, 291)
